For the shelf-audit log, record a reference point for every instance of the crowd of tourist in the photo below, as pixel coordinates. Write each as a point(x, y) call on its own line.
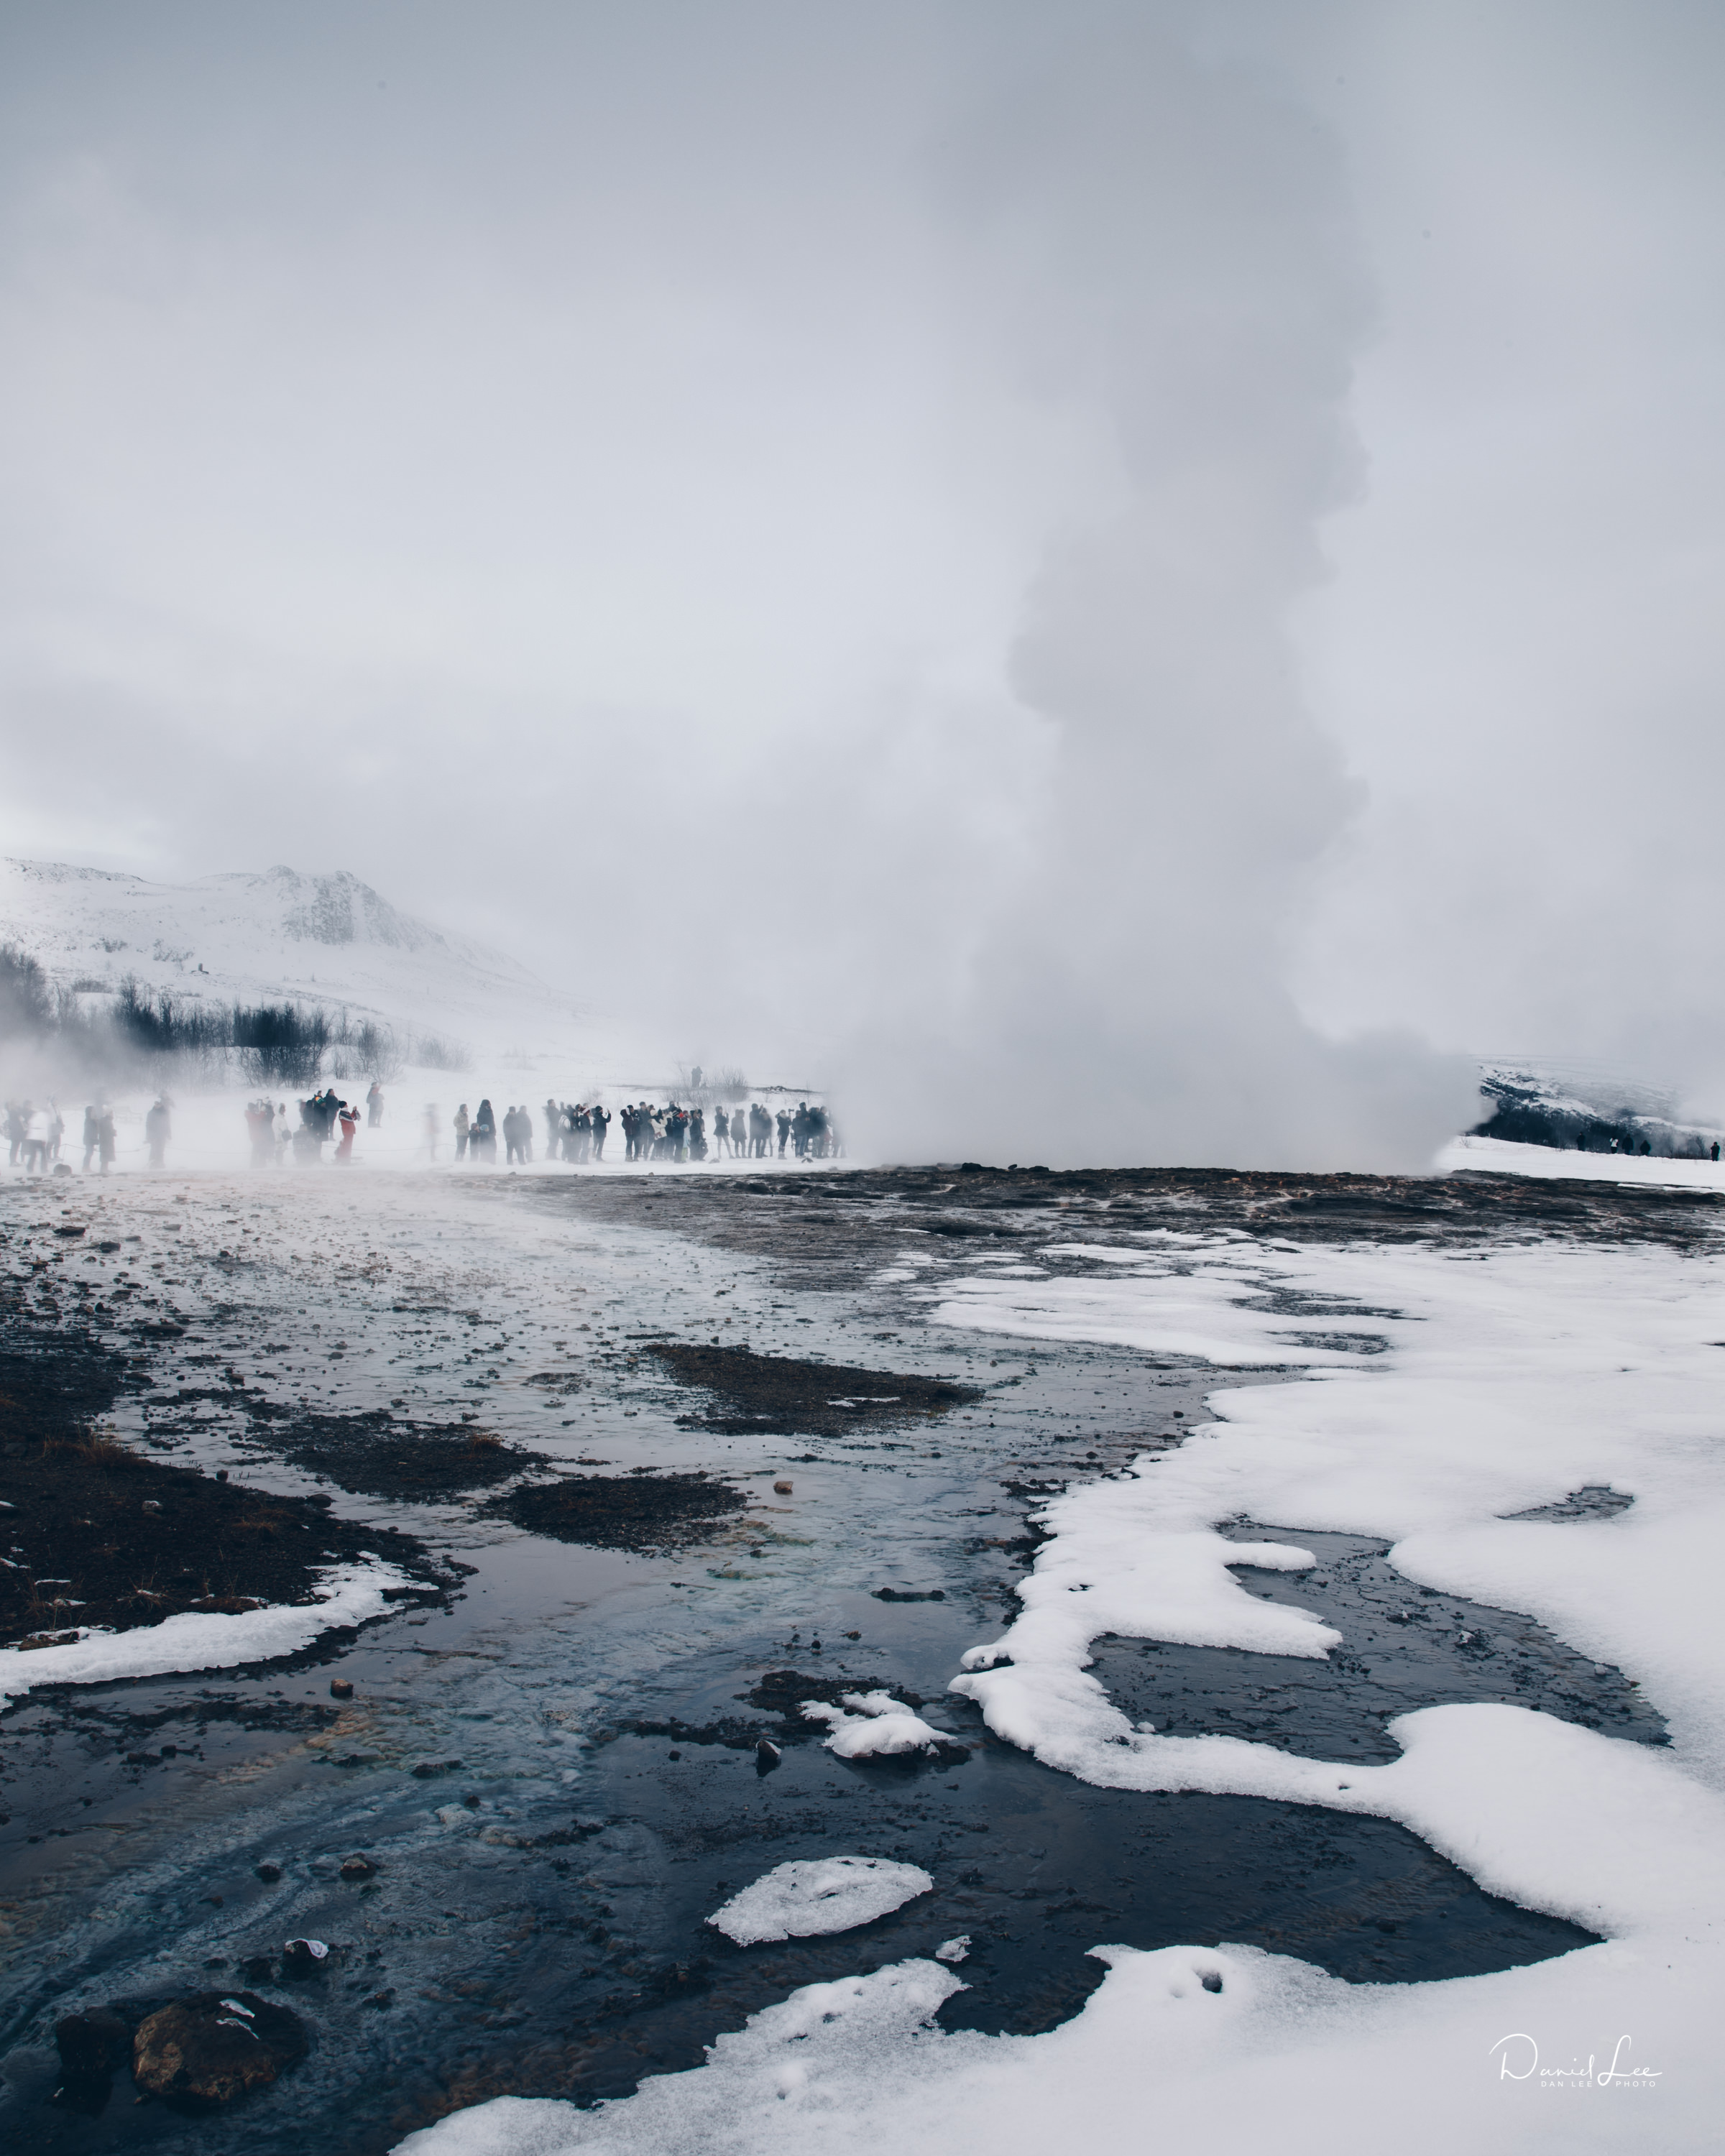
point(34, 1135)
point(574, 1131)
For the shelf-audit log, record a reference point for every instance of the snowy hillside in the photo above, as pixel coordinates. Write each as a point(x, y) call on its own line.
point(1547, 1104)
point(316, 939)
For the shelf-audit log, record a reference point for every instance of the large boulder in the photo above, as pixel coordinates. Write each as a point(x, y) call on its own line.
point(215, 2046)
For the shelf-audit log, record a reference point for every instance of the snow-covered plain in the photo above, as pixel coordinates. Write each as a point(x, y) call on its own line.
point(1553, 1164)
point(1506, 1379)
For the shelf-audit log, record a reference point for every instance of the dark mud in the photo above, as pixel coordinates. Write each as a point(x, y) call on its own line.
point(99, 1535)
point(644, 1512)
point(780, 1396)
point(1403, 1647)
point(376, 1455)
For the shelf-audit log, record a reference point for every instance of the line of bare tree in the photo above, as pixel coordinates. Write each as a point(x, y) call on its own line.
point(106, 1032)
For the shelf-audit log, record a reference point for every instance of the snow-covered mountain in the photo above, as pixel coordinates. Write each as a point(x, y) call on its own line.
point(1543, 1103)
point(330, 940)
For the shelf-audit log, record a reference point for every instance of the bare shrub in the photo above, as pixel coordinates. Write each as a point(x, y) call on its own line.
point(433, 1052)
point(280, 1044)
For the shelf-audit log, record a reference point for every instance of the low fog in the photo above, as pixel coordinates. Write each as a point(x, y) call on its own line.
point(1113, 583)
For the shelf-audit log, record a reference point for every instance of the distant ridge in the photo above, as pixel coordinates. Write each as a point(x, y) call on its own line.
point(277, 935)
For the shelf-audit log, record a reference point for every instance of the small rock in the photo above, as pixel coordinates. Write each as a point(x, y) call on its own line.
point(341, 1688)
point(258, 1968)
point(92, 2045)
point(268, 1873)
point(357, 1867)
point(303, 1958)
point(782, 1489)
point(428, 1769)
point(209, 2049)
point(767, 1756)
point(852, 1636)
point(1213, 1982)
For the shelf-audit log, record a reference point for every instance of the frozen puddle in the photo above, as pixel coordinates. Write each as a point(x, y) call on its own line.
point(832, 1894)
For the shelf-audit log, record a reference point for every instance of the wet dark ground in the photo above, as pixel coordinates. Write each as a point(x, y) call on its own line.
point(99, 1534)
point(379, 1454)
point(553, 1941)
point(824, 1229)
point(791, 1398)
point(621, 1511)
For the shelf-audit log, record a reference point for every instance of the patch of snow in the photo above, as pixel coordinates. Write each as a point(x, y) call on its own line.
point(1194, 1306)
point(802, 1900)
point(879, 1725)
point(347, 1594)
point(805, 2064)
point(954, 1950)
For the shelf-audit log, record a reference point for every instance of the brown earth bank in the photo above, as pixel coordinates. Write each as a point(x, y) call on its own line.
point(95, 1534)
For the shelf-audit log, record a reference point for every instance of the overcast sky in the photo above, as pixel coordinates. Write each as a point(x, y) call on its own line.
point(989, 542)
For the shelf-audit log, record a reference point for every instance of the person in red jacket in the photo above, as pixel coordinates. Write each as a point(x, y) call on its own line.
point(350, 1124)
